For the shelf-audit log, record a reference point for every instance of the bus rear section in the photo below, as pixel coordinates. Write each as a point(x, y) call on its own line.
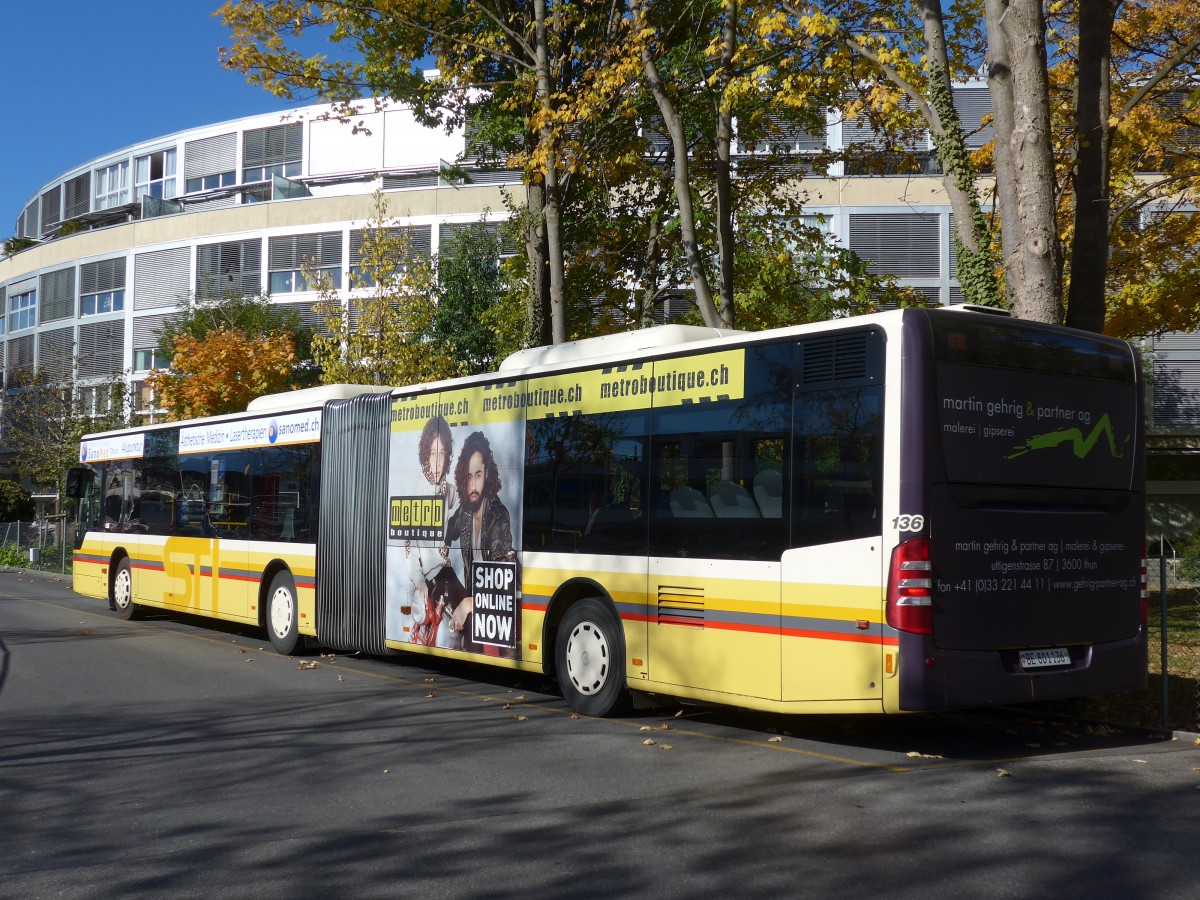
point(1018, 573)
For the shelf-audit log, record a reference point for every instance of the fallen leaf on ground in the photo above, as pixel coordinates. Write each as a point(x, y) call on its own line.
point(649, 742)
point(521, 718)
point(1004, 773)
point(665, 747)
point(309, 664)
point(775, 740)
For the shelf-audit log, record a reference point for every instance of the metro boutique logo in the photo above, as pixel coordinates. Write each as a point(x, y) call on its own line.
point(416, 518)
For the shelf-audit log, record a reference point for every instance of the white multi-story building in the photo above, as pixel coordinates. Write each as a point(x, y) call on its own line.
point(122, 240)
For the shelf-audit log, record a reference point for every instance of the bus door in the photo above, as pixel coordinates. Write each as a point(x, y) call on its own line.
point(717, 520)
point(233, 588)
point(833, 569)
point(120, 515)
point(85, 487)
point(203, 553)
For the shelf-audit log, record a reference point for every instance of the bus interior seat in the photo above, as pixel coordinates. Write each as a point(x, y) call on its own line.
point(732, 501)
point(689, 503)
point(768, 493)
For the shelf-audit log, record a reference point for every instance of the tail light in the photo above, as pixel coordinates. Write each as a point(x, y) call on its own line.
point(910, 588)
point(1145, 586)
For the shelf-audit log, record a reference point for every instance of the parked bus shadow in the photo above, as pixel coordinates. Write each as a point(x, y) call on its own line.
point(920, 738)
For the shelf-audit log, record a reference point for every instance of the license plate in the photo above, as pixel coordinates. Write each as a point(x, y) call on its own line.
point(1036, 659)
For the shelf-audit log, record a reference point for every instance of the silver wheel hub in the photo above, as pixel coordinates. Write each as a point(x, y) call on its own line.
point(122, 589)
point(282, 611)
point(588, 658)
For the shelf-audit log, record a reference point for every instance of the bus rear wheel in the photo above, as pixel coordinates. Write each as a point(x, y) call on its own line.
point(283, 626)
point(120, 595)
point(589, 656)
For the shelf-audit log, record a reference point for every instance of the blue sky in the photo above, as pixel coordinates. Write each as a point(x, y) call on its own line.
point(83, 79)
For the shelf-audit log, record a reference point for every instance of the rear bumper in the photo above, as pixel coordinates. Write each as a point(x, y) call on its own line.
point(933, 678)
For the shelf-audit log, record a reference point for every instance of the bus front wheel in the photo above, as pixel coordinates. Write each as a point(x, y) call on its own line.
point(120, 595)
point(589, 655)
point(283, 627)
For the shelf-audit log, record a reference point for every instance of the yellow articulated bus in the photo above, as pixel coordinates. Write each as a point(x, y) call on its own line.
point(919, 509)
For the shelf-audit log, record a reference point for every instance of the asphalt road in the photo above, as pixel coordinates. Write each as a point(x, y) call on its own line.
point(173, 757)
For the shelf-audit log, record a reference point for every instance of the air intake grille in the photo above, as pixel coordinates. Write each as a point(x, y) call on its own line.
point(840, 360)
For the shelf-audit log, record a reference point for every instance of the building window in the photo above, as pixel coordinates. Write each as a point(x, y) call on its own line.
point(229, 268)
point(104, 302)
point(210, 163)
point(211, 182)
point(277, 150)
point(58, 295)
point(96, 400)
point(112, 186)
point(154, 175)
point(145, 360)
point(22, 310)
point(102, 286)
point(411, 243)
point(287, 257)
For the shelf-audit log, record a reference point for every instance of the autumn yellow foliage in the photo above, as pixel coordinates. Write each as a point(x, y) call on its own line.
point(222, 372)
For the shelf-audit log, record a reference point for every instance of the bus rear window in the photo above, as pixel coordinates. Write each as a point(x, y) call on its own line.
point(1030, 347)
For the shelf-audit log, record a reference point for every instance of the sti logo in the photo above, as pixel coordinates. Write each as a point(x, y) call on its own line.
point(272, 431)
point(83, 448)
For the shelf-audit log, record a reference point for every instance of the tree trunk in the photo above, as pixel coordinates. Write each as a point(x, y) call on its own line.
point(724, 173)
point(682, 180)
point(539, 268)
point(976, 272)
point(1025, 163)
point(552, 211)
point(999, 79)
point(1086, 305)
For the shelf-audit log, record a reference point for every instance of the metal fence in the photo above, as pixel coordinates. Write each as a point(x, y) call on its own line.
point(39, 544)
point(1175, 616)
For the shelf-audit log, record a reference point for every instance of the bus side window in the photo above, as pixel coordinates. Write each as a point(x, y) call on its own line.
point(585, 483)
point(837, 466)
point(718, 471)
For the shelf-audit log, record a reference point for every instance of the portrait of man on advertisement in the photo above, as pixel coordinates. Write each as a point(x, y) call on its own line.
point(481, 526)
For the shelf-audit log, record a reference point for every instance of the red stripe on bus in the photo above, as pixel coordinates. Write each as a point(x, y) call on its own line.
point(769, 629)
point(835, 636)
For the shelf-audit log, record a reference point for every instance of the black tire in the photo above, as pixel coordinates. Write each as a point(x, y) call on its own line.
point(281, 613)
point(589, 659)
point(120, 591)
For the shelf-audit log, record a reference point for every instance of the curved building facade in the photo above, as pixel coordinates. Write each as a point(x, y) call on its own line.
point(121, 241)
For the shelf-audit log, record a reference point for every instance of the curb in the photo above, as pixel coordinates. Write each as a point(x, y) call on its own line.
point(49, 576)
